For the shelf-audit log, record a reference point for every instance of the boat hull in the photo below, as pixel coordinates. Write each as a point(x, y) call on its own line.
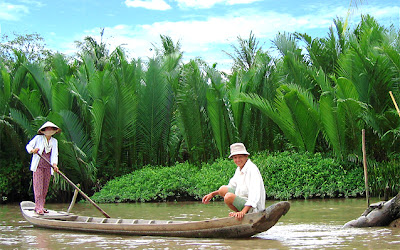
point(227, 227)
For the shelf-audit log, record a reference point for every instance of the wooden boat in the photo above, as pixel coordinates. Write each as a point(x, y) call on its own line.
point(228, 227)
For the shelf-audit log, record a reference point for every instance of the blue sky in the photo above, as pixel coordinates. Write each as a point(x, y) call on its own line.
point(204, 27)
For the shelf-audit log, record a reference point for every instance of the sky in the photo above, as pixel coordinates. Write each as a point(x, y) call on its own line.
point(204, 28)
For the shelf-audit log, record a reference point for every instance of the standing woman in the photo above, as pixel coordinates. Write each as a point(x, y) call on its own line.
point(47, 146)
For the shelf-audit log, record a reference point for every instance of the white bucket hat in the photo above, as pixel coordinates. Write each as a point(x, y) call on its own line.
point(238, 149)
point(48, 124)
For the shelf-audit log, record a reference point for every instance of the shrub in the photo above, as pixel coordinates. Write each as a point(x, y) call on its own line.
point(211, 176)
point(14, 181)
point(384, 177)
point(150, 184)
point(290, 175)
point(286, 175)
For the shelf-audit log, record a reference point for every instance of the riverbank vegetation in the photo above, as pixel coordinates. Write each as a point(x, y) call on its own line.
point(287, 175)
point(120, 115)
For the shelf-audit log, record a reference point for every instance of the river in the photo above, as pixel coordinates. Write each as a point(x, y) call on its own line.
point(309, 224)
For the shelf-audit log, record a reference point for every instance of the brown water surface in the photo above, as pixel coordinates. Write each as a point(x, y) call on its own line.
point(310, 224)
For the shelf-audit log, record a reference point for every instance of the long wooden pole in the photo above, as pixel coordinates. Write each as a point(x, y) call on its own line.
point(80, 191)
point(394, 101)
point(365, 167)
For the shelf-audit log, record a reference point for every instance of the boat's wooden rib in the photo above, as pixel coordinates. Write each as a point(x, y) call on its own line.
point(227, 227)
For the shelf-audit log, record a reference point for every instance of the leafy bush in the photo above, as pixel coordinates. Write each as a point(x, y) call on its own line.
point(286, 175)
point(14, 181)
point(211, 176)
point(303, 175)
point(149, 184)
point(384, 177)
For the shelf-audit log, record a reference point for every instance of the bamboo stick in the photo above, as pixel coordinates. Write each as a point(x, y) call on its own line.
point(394, 101)
point(365, 167)
point(80, 191)
point(73, 200)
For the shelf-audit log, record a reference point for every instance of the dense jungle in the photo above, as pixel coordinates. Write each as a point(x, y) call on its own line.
point(299, 107)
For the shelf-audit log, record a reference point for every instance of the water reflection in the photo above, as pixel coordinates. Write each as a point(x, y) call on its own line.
point(40, 239)
point(307, 236)
point(311, 224)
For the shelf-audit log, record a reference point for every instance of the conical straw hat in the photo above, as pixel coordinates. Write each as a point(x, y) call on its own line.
point(48, 124)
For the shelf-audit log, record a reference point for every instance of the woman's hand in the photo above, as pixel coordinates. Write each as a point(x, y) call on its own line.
point(55, 168)
point(35, 151)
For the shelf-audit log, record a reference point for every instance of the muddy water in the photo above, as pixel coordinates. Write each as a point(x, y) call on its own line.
point(311, 224)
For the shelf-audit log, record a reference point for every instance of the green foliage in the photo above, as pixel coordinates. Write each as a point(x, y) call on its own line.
point(384, 177)
point(211, 176)
point(286, 175)
point(149, 184)
point(30, 46)
point(14, 180)
point(118, 115)
point(244, 55)
point(291, 175)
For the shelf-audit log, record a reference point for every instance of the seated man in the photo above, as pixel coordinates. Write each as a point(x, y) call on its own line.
point(245, 191)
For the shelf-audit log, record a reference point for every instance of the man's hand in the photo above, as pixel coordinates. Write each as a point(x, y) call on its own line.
point(237, 215)
point(207, 198)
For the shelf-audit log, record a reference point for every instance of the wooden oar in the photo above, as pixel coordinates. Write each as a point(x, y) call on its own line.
point(76, 187)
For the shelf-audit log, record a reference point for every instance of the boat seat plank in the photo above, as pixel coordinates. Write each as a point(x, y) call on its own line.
point(59, 217)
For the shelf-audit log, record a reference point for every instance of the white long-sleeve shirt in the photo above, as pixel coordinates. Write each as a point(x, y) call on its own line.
point(248, 184)
point(38, 142)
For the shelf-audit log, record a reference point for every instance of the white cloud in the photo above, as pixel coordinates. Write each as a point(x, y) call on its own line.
point(205, 4)
point(32, 3)
point(233, 2)
point(198, 3)
point(148, 4)
point(381, 12)
point(207, 38)
point(12, 12)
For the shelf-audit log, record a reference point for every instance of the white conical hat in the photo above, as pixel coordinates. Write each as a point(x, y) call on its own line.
point(238, 149)
point(48, 124)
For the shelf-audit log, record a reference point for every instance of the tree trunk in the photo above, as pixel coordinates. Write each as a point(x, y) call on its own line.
point(379, 214)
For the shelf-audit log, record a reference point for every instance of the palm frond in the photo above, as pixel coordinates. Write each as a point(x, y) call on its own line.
point(333, 123)
point(5, 91)
point(98, 113)
point(19, 118)
point(61, 97)
point(191, 100)
point(43, 83)
point(60, 68)
point(294, 112)
point(154, 114)
point(74, 131)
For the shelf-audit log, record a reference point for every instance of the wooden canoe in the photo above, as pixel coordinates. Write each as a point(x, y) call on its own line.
point(228, 227)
